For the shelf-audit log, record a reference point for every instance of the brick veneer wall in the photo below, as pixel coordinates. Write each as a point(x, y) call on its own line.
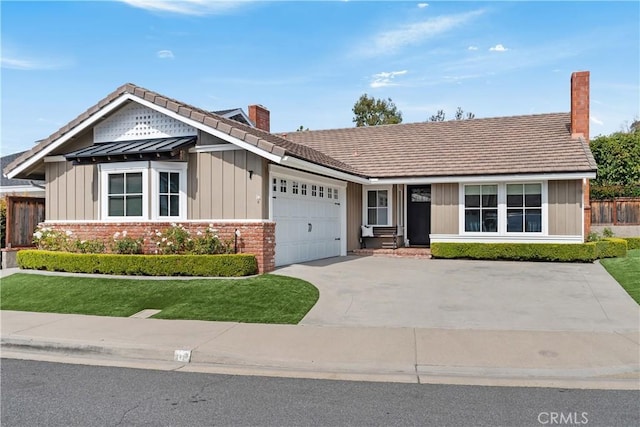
point(256, 238)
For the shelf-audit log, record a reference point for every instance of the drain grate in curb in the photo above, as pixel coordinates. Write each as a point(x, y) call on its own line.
point(145, 314)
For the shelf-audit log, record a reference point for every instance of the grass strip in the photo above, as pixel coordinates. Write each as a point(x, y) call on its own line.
point(264, 299)
point(626, 271)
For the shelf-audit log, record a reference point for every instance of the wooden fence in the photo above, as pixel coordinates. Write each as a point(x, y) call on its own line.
point(23, 216)
point(618, 211)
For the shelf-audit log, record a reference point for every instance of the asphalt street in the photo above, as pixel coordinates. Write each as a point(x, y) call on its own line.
point(54, 394)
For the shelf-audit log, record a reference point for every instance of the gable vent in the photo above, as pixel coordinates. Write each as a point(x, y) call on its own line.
point(135, 121)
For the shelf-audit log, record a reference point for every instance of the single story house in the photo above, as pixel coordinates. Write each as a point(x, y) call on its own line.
point(139, 161)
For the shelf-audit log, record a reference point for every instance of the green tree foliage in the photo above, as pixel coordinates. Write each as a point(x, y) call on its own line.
point(369, 111)
point(618, 159)
point(459, 115)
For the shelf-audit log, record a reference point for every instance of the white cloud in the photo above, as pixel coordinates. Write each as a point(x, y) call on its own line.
point(165, 54)
point(186, 7)
point(15, 63)
point(385, 78)
point(498, 48)
point(596, 120)
point(423, 5)
point(472, 48)
point(390, 41)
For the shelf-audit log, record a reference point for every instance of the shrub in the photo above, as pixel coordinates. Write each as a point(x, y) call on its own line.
point(123, 244)
point(633, 242)
point(48, 239)
point(178, 240)
point(93, 246)
point(229, 265)
point(607, 232)
point(593, 236)
point(173, 240)
point(585, 252)
point(611, 247)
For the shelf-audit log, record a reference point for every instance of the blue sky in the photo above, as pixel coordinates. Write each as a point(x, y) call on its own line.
point(308, 62)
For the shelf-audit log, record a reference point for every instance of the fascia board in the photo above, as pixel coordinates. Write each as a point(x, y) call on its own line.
point(73, 132)
point(484, 178)
point(294, 162)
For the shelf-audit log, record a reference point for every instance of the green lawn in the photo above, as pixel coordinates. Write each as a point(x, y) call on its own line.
point(626, 271)
point(263, 299)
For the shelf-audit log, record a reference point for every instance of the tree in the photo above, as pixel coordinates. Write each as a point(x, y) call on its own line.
point(460, 115)
point(618, 159)
point(438, 117)
point(369, 111)
point(301, 129)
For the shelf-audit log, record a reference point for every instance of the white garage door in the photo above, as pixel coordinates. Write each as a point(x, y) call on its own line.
point(307, 217)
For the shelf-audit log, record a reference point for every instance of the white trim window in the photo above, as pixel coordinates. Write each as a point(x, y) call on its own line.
point(377, 206)
point(129, 189)
point(503, 209)
point(481, 208)
point(169, 190)
point(524, 208)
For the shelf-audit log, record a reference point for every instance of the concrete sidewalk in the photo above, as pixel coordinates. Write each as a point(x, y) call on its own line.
point(570, 359)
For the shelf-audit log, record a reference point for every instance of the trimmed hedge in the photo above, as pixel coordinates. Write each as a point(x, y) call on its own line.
point(611, 247)
point(632, 242)
point(233, 265)
point(585, 252)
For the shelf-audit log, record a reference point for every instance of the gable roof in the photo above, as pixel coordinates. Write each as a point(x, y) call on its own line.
point(6, 182)
point(263, 141)
point(235, 114)
point(504, 145)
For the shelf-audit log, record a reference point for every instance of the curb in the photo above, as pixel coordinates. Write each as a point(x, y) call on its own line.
point(609, 378)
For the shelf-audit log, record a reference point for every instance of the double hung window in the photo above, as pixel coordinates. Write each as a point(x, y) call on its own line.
point(378, 207)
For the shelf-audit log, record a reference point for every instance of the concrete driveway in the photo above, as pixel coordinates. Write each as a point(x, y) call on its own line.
point(461, 294)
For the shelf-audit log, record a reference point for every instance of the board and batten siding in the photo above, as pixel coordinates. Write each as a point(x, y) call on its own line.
point(71, 191)
point(221, 186)
point(354, 215)
point(444, 208)
point(565, 207)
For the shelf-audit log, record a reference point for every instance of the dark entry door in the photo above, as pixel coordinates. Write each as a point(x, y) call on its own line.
point(418, 214)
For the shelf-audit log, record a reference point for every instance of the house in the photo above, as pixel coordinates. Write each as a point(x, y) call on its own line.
point(139, 161)
point(18, 187)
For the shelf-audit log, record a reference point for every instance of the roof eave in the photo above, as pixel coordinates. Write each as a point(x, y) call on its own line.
point(441, 179)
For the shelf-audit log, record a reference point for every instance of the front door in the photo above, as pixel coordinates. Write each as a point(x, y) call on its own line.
point(418, 214)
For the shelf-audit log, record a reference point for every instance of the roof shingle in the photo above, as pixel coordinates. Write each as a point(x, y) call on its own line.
point(505, 145)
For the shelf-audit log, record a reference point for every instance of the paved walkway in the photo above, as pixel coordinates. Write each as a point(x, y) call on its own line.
point(588, 358)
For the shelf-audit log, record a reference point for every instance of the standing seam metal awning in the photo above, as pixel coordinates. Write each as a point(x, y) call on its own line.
point(142, 149)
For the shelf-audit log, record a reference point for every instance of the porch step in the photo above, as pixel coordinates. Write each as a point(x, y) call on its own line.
point(399, 252)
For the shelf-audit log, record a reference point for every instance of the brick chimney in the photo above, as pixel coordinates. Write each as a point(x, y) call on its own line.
point(580, 104)
point(260, 116)
point(580, 128)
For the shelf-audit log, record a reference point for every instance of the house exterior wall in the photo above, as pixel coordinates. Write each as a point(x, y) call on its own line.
point(220, 186)
point(565, 207)
point(83, 140)
point(256, 237)
point(444, 208)
point(71, 191)
point(354, 215)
